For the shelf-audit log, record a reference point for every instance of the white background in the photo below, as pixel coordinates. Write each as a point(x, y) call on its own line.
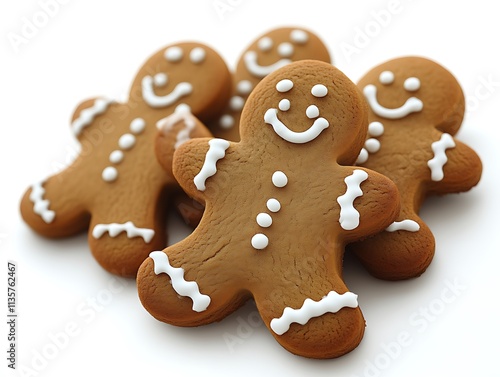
point(90, 48)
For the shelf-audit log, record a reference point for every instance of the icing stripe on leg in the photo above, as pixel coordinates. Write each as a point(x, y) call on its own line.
point(331, 303)
point(179, 284)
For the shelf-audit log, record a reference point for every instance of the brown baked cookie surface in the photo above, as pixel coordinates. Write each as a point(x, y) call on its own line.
point(280, 206)
point(270, 51)
point(115, 187)
point(416, 106)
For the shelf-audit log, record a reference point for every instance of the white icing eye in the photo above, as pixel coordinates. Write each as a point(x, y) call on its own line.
point(173, 54)
point(160, 79)
point(312, 112)
point(284, 86)
point(265, 44)
point(137, 125)
point(226, 121)
point(244, 87)
point(376, 129)
point(412, 84)
point(386, 77)
point(284, 105)
point(319, 90)
point(197, 55)
point(299, 36)
point(285, 49)
point(236, 103)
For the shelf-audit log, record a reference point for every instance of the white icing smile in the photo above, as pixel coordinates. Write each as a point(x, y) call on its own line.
point(271, 117)
point(148, 92)
point(250, 59)
point(412, 105)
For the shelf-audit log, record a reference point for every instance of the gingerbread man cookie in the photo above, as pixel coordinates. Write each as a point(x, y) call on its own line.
point(280, 206)
point(270, 51)
point(116, 188)
point(416, 106)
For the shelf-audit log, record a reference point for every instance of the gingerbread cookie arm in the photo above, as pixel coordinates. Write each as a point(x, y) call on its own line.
point(51, 214)
point(454, 167)
point(87, 114)
point(369, 204)
point(196, 164)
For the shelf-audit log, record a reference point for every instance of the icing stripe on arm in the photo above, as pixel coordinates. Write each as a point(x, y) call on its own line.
point(408, 225)
point(41, 205)
point(440, 159)
point(179, 284)
point(115, 229)
point(216, 151)
point(331, 303)
point(349, 216)
point(87, 115)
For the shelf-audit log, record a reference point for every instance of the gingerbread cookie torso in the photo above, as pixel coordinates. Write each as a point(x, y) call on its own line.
point(416, 106)
point(280, 206)
point(115, 187)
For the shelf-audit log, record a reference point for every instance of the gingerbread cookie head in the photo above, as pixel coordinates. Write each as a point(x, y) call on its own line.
point(116, 188)
point(279, 211)
point(270, 51)
point(184, 73)
point(416, 105)
point(415, 91)
point(299, 112)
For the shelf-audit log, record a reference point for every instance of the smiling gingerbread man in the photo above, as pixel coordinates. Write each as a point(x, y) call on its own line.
point(280, 206)
point(115, 187)
point(416, 106)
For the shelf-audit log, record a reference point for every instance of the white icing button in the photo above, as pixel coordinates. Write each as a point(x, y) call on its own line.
point(236, 103)
point(376, 129)
point(264, 220)
point(160, 79)
point(173, 54)
point(265, 44)
point(226, 121)
point(284, 86)
point(273, 205)
point(386, 77)
point(126, 141)
point(244, 87)
point(260, 241)
point(109, 174)
point(299, 36)
point(285, 49)
point(312, 112)
point(279, 179)
point(197, 55)
point(412, 84)
point(116, 157)
point(284, 105)
point(319, 90)
point(137, 125)
point(362, 157)
point(372, 145)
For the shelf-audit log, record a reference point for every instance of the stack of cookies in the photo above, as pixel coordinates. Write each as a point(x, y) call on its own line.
point(280, 166)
